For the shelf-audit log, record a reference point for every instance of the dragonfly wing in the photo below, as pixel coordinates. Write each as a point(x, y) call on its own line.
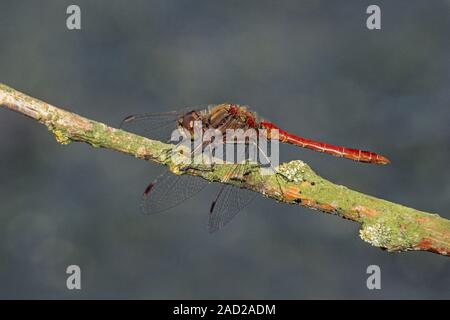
point(228, 203)
point(169, 190)
point(156, 126)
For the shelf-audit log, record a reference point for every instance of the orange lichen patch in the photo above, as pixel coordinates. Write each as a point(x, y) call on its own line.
point(363, 211)
point(428, 244)
point(425, 244)
point(291, 193)
point(327, 207)
point(310, 203)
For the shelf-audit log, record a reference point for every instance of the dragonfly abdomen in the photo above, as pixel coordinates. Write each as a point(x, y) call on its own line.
point(337, 151)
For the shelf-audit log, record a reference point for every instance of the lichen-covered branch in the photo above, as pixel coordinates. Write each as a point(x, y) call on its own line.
point(383, 224)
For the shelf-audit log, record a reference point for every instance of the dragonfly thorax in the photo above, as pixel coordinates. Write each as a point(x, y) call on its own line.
point(230, 116)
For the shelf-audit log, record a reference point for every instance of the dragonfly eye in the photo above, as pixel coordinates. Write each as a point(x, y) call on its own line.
point(188, 121)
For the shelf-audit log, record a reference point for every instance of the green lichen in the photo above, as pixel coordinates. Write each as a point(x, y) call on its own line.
point(391, 233)
point(293, 171)
point(377, 234)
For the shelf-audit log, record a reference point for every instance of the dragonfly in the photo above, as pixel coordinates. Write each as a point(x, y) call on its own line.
point(169, 190)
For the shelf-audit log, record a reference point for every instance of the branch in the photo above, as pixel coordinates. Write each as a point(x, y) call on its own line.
point(383, 224)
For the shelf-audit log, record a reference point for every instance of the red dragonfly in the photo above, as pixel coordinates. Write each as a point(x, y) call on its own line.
point(169, 190)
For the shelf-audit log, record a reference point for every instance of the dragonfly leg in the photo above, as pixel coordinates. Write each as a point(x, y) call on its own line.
point(280, 189)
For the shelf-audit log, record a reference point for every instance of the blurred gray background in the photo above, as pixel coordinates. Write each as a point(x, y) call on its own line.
point(311, 67)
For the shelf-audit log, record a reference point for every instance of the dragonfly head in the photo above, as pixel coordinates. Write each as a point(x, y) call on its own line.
point(187, 120)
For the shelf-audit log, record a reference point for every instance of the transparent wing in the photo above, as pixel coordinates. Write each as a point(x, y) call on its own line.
point(227, 206)
point(229, 201)
point(169, 190)
point(156, 126)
